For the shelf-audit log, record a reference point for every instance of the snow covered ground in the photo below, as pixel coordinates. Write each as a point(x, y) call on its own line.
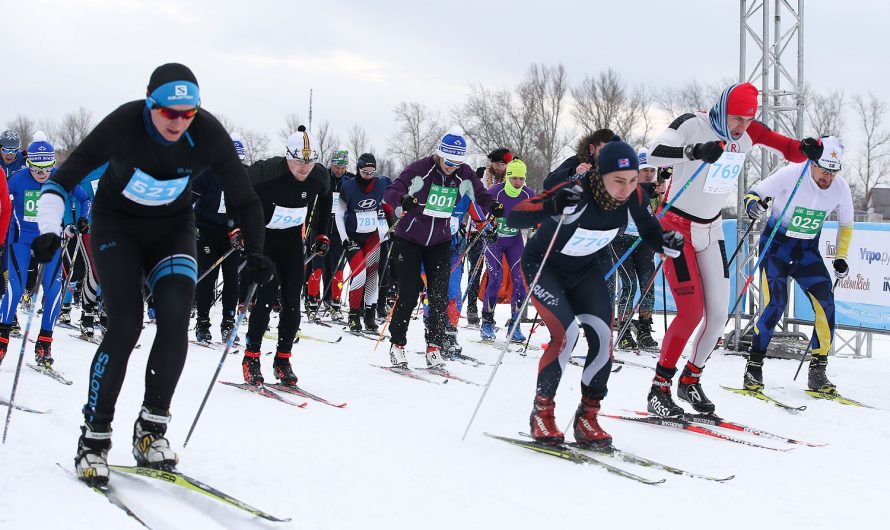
point(393, 457)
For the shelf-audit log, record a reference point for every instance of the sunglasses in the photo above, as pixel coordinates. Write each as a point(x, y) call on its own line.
point(41, 169)
point(368, 172)
point(452, 163)
point(172, 114)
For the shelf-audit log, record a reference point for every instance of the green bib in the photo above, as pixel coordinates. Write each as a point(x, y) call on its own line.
point(805, 223)
point(440, 202)
point(31, 197)
point(505, 230)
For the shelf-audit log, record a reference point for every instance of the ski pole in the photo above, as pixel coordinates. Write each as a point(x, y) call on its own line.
point(741, 242)
point(70, 267)
point(229, 342)
point(528, 296)
point(642, 295)
point(477, 268)
point(475, 239)
point(532, 332)
point(215, 264)
point(769, 241)
point(659, 216)
point(386, 322)
point(810, 344)
point(18, 366)
point(310, 258)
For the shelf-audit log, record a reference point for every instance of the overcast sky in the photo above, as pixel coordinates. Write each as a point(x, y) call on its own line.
point(257, 60)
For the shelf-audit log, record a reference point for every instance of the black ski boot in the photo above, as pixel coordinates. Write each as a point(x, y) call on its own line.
point(43, 349)
point(227, 328)
point(660, 402)
point(355, 320)
point(5, 330)
point(250, 367)
point(472, 314)
point(65, 315)
point(150, 447)
point(91, 460)
point(754, 370)
point(371, 318)
point(644, 335)
point(689, 389)
point(202, 330)
point(311, 306)
point(87, 323)
point(283, 370)
point(817, 379)
point(626, 341)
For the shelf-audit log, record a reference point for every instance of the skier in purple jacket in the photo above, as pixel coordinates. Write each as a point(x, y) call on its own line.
point(509, 243)
point(427, 192)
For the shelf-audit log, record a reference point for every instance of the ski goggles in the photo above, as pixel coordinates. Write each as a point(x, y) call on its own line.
point(452, 163)
point(368, 172)
point(41, 169)
point(172, 114)
point(9, 150)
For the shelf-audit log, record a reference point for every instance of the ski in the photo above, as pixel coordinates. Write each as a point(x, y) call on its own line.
point(86, 338)
point(67, 325)
point(500, 345)
point(566, 453)
point(763, 397)
point(687, 425)
point(579, 361)
point(4, 403)
point(632, 458)
point(838, 398)
point(265, 392)
point(407, 372)
point(218, 346)
point(297, 391)
point(300, 335)
point(466, 359)
point(716, 421)
point(632, 363)
point(442, 372)
point(193, 484)
point(108, 492)
point(51, 373)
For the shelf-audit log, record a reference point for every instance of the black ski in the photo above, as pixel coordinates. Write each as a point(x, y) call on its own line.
point(407, 372)
point(218, 346)
point(4, 403)
point(442, 372)
point(47, 371)
point(193, 484)
point(297, 391)
point(261, 390)
point(566, 453)
point(108, 492)
point(763, 397)
point(92, 339)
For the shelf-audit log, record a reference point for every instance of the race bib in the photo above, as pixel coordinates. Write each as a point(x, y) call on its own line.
point(284, 218)
point(585, 242)
point(504, 230)
point(366, 222)
point(440, 202)
point(723, 174)
point(454, 225)
point(805, 223)
point(222, 203)
point(31, 197)
point(149, 191)
point(382, 227)
point(336, 201)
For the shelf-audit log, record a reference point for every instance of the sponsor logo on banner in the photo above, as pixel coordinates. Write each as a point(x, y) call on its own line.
point(886, 284)
point(871, 256)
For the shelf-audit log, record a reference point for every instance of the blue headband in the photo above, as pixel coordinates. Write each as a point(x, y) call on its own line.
point(175, 93)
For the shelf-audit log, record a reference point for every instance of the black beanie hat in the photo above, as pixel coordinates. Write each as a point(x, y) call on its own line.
point(501, 155)
point(617, 156)
point(170, 72)
point(365, 160)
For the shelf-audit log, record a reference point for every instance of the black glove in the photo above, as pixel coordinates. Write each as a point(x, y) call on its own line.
point(408, 202)
point(672, 244)
point(322, 245)
point(260, 269)
point(567, 196)
point(351, 246)
point(812, 147)
point(665, 173)
point(235, 239)
point(841, 269)
point(45, 246)
point(496, 209)
point(83, 225)
point(708, 152)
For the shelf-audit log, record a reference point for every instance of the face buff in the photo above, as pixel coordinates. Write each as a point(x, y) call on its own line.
point(511, 191)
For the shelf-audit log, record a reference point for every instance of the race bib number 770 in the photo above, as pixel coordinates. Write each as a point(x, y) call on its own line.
point(585, 242)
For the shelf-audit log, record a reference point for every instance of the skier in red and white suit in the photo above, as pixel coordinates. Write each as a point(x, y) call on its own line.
point(699, 278)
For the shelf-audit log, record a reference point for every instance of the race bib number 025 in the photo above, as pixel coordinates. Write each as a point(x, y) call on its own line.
point(585, 242)
point(805, 223)
point(723, 174)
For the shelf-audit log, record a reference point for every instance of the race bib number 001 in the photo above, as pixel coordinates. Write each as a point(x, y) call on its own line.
point(440, 202)
point(805, 223)
point(149, 191)
point(284, 218)
point(585, 242)
point(723, 174)
point(30, 209)
point(366, 222)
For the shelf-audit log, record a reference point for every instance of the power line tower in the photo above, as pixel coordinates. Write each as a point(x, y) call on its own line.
point(771, 37)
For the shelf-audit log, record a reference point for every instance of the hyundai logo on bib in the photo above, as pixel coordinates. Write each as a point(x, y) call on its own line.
point(367, 204)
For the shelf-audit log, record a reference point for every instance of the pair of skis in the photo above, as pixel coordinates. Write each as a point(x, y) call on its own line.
point(271, 391)
point(831, 396)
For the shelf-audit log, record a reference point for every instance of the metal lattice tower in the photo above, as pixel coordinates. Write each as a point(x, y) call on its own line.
point(777, 55)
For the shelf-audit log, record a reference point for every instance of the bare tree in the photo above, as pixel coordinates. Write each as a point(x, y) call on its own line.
point(357, 142)
point(419, 131)
point(605, 102)
point(75, 126)
point(386, 167)
point(873, 163)
point(546, 88)
point(291, 122)
point(689, 97)
point(256, 145)
point(227, 124)
point(328, 142)
point(23, 125)
point(824, 112)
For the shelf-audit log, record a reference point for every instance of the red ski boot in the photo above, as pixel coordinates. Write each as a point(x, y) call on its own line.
point(543, 422)
point(587, 429)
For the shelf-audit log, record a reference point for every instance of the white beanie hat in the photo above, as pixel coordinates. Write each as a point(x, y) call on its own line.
point(832, 152)
point(302, 145)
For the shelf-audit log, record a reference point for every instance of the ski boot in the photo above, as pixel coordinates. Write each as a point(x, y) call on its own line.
point(660, 402)
point(311, 306)
point(644, 335)
point(689, 389)
point(202, 330)
point(91, 460)
point(754, 371)
point(397, 355)
point(381, 310)
point(450, 347)
point(150, 447)
point(355, 320)
point(87, 326)
point(488, 326)
point(816, 378)
point(16, 329)
point(434, 357)
point(227, 328)
point(587, 429)
point(517, 337)
point(371, 318)
point(283, 370)
point(43, 349)
point(626, 341)
point(336, 311)
point(543, 422)
point(472, 315)
point(65, 315)
point(250, 367)
point(5, 329)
